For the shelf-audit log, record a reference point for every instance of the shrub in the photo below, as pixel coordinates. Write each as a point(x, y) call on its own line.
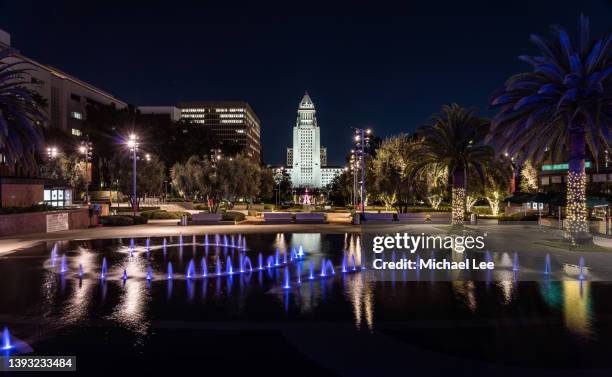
point(117, 220)
point(139, 220)
point(164, 215)
point(201, 207)
point(428, 209)
point(34, 208)
point(268, 207)
point(520, 216)
point(233, 216)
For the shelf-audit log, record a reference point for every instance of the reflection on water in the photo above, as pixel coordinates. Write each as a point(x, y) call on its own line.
point(258, 295)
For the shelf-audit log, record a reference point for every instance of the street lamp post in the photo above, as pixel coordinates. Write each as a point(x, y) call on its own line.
point(361, 139)
point(133, 144)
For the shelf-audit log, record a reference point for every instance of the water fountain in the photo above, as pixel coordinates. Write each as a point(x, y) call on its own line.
point(125, 275)
point(323, 274)
point(63, 265)
point(299, 274)
point(206, 239)
point(218, 267)
point(217, 240)
point(193, 240)
point(241, 263)
point(54, 255)
point(190, 269)
point(277, 258)
point(330, 266)
point(80, 271)
point(270, 261)
point(353, 263)
point(285, 257)
point(169, 274)
point(547, 265)
point(233, 241)
point(515, 263)
point(247, 260)
point(344, 270)
point(311, 275)
point(225, 240)
point(228, 268)
point(581, 268)
point(149, 273)
point(103, 269)
point(300, 252)
point(287, 284)
point(6, 340)
point(204, 267)
point(260, 261)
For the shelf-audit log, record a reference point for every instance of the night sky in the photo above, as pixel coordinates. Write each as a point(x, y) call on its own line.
point(371, 65)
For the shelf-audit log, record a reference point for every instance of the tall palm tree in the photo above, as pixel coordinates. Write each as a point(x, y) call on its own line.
point(455, 141)
point(563, 106)
point(20, 133)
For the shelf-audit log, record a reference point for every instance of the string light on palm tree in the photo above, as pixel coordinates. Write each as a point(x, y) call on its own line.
point(562, 103)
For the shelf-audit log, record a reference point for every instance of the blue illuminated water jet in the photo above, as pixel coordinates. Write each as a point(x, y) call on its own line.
point(6, 340)
point(80, 270)
point(277, 258)
point(344, 262)
point(190, 269)
point(547, 265)
point(103, 269)
point(287, 284)
point(63, 265)
point(125, 275)
point(241, 263)
point(328, 264)
point(270, 261)
point(149, 273)
point(311, 274)
point(515, 263)
point(204, 267)
point(169, 274)
point(206, 239)
point(299, 275)
point(581, 268)
point(260, 261)
point(354, 263)
point(247, 261)
point(53, 255)
point(225, 240)
point(285, 257)
point(300, 253)
point(323, 274)
point(228, 266)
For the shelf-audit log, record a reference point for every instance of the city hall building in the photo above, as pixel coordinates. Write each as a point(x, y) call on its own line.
point(307, 159)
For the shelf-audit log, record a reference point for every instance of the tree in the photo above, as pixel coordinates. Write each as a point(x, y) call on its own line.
point(529, 178)
point(150, 176)
point(563, 105)
point(266, 184)
point(20, 117)
point(497, 183)
point(340, 190)
point(454, 140)
point(391, 176)
point(68, 169)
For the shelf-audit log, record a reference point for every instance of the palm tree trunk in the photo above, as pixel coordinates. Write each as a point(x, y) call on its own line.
point(458, 197)
point(577, 217)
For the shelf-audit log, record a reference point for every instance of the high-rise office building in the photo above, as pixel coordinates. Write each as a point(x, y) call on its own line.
point(233, 123)
point(307, 159)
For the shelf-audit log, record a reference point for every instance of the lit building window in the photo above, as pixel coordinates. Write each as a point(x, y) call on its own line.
point(76, 132)
point(76, 115)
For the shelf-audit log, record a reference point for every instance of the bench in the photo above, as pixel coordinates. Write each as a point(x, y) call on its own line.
point(311, 217)
point(277, 217)
point(416, 217)
point(440, 217)
point(204, 218)
point(378, 217)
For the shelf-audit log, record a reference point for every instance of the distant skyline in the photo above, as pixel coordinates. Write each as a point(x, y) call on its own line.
point(389, 69)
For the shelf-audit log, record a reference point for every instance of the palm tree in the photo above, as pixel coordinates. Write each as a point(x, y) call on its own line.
point(20, 133)
point(453, 141)
point(563, 106)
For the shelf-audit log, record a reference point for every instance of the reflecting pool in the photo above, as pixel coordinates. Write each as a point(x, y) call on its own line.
point(292, 303)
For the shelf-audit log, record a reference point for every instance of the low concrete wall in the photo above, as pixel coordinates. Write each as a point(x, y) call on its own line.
point(36, 222)
point(21, 194)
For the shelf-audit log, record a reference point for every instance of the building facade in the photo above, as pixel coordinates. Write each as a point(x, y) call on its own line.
point(307, 159)
point(66, 96)
point(233, 123)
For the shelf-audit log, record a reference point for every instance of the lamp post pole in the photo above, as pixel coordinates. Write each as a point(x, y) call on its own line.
point(362, 171)
point(132, 143)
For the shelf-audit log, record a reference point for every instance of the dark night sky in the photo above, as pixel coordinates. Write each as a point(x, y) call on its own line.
point(371, 65)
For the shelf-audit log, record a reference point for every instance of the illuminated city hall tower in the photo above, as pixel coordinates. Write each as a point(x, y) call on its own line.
point(304, 158)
